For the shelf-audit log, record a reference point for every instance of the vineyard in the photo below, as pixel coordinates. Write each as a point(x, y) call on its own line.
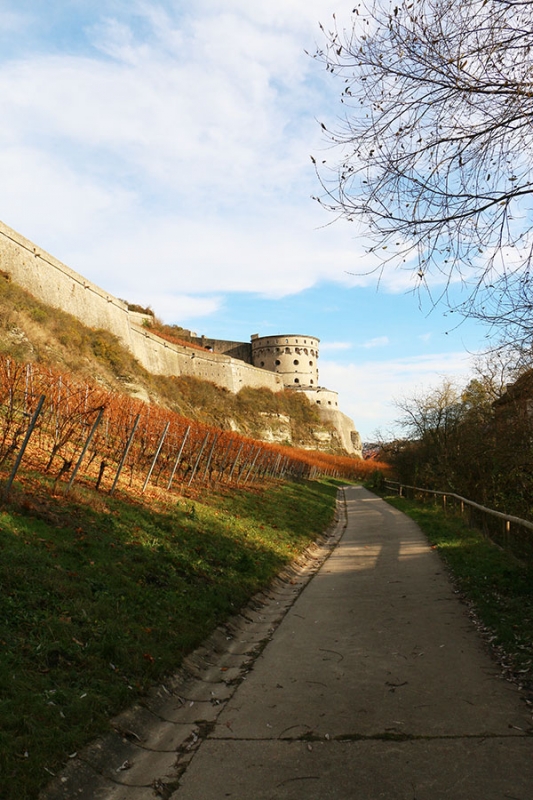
point(81, 432)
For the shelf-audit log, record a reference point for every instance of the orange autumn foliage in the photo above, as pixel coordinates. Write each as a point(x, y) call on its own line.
point(119, 437)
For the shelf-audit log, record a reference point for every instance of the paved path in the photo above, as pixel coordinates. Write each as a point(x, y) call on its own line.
point(374, 685)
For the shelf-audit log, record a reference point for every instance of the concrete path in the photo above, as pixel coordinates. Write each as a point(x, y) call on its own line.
point(374, 685)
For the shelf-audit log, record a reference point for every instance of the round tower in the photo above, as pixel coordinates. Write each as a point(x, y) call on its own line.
point(293, 356)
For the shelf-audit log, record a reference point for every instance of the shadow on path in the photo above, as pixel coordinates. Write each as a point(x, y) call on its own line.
point(375, 684)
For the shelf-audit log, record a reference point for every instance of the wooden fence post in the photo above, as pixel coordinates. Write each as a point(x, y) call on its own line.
point(23, 446)
point(159, 447)
point(252, 465)
point(235, 462)
point(125, 453)
point(178, 459)
point(198, 459)
point(210, 456)
point(85, 447)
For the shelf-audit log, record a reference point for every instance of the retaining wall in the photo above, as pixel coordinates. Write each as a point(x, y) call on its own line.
point(52, 282)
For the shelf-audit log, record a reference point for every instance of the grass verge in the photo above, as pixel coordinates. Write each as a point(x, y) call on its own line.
point(497, 586)
point(102, 597)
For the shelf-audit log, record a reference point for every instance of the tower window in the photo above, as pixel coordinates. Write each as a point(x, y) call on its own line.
point(297, 380)
point(295, 362)
point(278, 362)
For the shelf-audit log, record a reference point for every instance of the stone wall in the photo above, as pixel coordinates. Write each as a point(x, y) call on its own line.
point(327, 404)
point(57, 285)
point(228, 365)
point(164, 358)
point(326, 398)
point(293, 356)
point(52, 282)
point(240, 350)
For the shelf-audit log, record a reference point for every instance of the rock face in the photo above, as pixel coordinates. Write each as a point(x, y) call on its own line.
point(272, 362)
point(348, 435)
point(276, 428)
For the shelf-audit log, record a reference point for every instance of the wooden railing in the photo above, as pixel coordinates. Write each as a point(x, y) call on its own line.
point(507, 531)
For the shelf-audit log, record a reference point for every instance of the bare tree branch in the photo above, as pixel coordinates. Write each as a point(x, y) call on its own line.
point(434, 152)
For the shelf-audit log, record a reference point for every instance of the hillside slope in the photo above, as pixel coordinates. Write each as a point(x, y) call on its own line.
point(32, 331)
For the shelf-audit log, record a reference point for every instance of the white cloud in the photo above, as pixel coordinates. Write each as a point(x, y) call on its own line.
point(43, 198)
point(178, 307)
point(367, 390)
point(13, 22)
point(180, 145)
point(165, 156)
point(296, 15)
point(275, 257)
point(205, 109)
point(204, 119)
point(379, 341)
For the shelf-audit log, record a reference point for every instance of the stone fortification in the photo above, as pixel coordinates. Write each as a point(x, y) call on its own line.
point(325, 398)
point(240, 350)
point(165, 358)
point(59, 286)
point(54, 283)
point(273, 362)
point(293, 356)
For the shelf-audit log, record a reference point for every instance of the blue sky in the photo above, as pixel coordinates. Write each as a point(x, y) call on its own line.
point(162, 149)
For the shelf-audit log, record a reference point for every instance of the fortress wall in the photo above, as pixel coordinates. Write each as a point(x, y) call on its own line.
point(247, 375)
point(293, 356)
point(59, 286)
point(54, 283)
point(322, 397)
point(138, 318)
point(164, 358)
point(240, 350)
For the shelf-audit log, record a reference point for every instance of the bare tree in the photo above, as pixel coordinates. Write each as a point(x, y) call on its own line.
point(435, 149)
point(494, 370)
point(433, 413)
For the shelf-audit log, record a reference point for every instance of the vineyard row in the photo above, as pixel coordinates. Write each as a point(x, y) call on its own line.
point(74, 432)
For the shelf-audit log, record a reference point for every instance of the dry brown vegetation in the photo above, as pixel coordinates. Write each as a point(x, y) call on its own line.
point(31, 331)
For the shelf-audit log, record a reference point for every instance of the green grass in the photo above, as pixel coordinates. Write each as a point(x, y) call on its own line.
point(499, 586)
point(102, 597)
